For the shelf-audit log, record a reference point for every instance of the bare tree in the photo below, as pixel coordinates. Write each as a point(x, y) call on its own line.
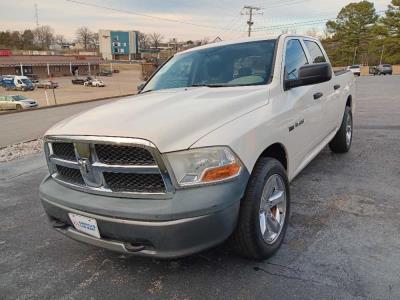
point(85, 37)
point(312, 32)
point(44, 36)
point(144, 40)
point(60, 39)
point(205, 41)
point(156, 39)
point(94, 43)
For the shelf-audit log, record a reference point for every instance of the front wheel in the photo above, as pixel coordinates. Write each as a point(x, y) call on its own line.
point(264, 211)
point(18, 107)
point(341, 143)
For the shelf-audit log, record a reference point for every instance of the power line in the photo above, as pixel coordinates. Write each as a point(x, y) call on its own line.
point(300, 23)
point(146, 15)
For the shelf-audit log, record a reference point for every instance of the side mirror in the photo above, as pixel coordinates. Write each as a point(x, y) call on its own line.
point(141, 86)
point(310, 74)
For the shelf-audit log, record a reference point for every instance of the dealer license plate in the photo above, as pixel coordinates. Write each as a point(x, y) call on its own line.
point(85, 224)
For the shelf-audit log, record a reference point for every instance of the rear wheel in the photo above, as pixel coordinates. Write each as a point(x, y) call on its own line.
point(341, 143)
point(264, 211)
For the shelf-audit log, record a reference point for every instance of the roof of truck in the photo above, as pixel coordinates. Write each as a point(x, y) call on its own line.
point(245, 40)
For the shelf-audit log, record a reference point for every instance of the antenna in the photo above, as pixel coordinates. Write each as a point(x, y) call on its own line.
point(36, 15)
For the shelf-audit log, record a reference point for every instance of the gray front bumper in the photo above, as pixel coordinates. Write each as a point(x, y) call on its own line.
point(191, 221)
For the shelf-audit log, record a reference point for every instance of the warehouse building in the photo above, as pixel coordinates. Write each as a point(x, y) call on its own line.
point(49, 65)
point(118, 45)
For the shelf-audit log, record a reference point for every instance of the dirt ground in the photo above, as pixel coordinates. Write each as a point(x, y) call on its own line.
point(122, 83)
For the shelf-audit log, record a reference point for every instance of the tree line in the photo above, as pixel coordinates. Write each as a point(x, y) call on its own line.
point(360, 36)
point(43, 37)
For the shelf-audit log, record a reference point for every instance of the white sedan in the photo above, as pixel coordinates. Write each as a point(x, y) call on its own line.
point(95, 82)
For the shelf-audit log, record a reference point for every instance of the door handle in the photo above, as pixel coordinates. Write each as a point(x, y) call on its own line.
point(318, 95)
point(336, 87)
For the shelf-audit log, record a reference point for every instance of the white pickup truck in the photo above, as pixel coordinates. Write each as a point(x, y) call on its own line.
point(204, 153)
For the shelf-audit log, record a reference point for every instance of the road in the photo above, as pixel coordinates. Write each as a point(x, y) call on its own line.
point(343, 240)
point(29, 125)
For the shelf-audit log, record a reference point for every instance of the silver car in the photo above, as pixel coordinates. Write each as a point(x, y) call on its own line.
point(17, 102)
point(385, 69)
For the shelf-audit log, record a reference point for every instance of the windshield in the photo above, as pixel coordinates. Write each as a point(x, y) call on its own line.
point(19, 98)
point(355, 67)
point(231, 65)
point(26, 81)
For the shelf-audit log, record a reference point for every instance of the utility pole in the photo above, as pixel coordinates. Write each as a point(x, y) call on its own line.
point(383, 49)
point(250, 11)
point(36, 16)
point(355, 55)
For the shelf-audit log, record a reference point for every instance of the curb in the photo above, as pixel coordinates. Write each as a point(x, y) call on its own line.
point(64, 104)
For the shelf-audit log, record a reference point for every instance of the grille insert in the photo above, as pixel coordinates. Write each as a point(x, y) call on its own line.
point(64, 150)
point(124, 155)
point(69, 175)
point(134, 183)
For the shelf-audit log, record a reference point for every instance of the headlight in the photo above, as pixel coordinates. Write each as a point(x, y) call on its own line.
point(204, 165)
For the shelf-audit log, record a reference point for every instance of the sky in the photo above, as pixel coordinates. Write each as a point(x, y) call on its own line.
point(178, 19)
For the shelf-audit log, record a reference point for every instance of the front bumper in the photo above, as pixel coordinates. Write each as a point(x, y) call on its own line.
point(167, 239)
point(191, 221)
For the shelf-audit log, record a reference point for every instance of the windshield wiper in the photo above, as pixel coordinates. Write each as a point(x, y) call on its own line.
point(145, 91)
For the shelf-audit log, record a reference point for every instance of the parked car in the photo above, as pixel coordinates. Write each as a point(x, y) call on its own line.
point(204, 153)
point(385, 69)
point(17, 102)
point(373, 70)
point(355, 69)
point(48, 84)
point(95, 83)
point(33, 77)
point(105, 73)
point(81, 80)
point(17, 83)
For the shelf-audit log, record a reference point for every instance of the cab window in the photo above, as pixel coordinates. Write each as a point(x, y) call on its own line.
point(295, 58)
point(315, 52)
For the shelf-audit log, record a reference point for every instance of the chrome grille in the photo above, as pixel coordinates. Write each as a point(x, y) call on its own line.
point(70, 175)
point(120, 167)
point(64, 150)
point(136, 183)
point(124, 155)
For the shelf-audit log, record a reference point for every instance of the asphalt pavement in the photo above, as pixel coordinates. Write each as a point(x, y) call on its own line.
point(343, 240)
point(28, 125)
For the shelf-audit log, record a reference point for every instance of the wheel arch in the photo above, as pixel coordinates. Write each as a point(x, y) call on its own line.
point(277, 151)
point(350, 103)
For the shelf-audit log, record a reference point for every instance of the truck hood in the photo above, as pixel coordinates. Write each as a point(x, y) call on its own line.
point(172, 119)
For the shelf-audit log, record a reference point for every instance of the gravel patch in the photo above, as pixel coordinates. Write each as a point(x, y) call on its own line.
point(21, 149)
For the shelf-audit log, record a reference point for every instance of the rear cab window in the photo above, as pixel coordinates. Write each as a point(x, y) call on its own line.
point(317, 56)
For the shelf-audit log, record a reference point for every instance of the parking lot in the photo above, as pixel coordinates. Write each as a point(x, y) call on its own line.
point(343, 240)
point(123, 83)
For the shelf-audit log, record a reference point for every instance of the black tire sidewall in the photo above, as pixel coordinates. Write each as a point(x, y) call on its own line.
point(348, 114)
point(271, 167)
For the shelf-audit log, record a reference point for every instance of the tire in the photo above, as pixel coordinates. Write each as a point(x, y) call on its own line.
point(18, 107)
point(253, 237)
point(341, 143)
